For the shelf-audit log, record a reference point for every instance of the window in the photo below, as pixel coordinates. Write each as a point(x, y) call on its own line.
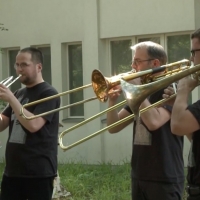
point(12, 56)
point(75, 79)
point(178, 47)
point(121, 56)
point(46, 70)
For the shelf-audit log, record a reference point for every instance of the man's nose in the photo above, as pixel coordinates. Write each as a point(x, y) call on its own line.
point(134, 67)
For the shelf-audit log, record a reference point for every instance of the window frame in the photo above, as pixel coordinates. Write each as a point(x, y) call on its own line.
point(66, 82)
point(45, 46)
point(161, 36)
point(9, 70)
point(110, 50)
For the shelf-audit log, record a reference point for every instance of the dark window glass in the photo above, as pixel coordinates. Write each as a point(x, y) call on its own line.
point(46, 70)
point(75, 78)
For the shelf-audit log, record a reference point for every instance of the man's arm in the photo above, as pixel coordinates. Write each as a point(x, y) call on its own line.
point(31, 125)
point(167, 93)
point(155, 117)
point(182, 120)
point(114, 116)
point(4, 122)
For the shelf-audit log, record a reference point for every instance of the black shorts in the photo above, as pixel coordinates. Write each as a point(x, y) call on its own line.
point(26, 188)
point(143, 190)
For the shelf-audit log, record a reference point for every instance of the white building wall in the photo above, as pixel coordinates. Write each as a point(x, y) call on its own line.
point(136, 17)
point(93, 23)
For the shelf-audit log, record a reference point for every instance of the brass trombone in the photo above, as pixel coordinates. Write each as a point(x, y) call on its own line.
point(102, 85)
point(63, 94)
point(65, 148)
point(134, 95)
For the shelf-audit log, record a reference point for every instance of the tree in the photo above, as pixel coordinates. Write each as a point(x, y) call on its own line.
point(2, 28)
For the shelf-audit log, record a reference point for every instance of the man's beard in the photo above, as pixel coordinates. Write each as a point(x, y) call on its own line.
point(26, 81)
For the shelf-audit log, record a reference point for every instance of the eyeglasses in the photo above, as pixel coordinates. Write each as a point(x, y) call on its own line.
point(22, 66)
point(193, 52)
point(137, 62)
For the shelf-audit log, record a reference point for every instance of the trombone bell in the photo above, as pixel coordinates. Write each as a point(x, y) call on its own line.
point(101, 85)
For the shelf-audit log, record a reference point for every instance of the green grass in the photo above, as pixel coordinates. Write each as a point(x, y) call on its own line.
point(95, 182)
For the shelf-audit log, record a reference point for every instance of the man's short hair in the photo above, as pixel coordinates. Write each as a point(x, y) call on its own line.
point(196, 34)
point(36, 54)
point(154, 50)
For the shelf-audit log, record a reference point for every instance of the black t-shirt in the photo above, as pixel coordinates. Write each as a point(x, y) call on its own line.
point(157, 155)
point(33, 154)
point(193, 176)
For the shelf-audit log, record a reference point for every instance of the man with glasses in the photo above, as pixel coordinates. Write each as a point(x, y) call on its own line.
point(31, 149)
point(157, 155)
point(185, 120)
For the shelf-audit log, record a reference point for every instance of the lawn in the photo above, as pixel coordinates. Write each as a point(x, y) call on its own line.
point(95, 182)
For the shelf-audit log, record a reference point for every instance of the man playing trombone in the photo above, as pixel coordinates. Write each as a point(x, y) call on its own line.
point(31, 149)
point(185, 120)
point(157, 155)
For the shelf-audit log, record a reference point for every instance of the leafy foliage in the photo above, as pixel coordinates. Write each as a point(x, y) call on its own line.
point(2, 28)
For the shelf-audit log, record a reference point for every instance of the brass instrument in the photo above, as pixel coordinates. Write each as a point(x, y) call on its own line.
point(134, 94)
point(102, 85)
point(9, 80)
point(109, 84)
point(65, 148)
point(53, 97)
point(152, 81)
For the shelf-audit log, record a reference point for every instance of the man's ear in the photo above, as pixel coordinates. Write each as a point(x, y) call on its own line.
point(39, 67)
point(156, 63)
